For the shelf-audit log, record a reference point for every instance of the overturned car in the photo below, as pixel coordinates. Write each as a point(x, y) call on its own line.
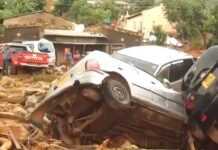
point(201, 99)
point(134, 92)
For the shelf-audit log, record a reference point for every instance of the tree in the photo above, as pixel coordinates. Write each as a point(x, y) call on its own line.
point(62, 6)
point(83, 12)
point(10, 8)
point(160, 35)
point(139, 5)
point(212, 25)
point(190, 16)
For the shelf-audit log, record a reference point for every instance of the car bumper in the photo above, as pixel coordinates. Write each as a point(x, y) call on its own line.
point(33, 65)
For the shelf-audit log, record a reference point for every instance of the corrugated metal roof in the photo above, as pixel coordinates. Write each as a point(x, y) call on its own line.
point(72, 33)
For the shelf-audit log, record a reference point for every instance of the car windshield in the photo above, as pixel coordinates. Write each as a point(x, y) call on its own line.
point(45, 47)
point(145, 66)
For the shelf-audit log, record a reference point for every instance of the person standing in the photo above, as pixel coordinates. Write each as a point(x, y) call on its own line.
point(68, 58)
point(7, 52)
point(76, 56)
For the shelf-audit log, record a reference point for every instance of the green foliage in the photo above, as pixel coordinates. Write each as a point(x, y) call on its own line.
point(82, 12)
point(139, 5)
point(191, 16)
point(62, 7)
point(213, 25)
point(160, 35)
point(10, 8)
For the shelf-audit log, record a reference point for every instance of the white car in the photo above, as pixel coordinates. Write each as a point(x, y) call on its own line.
point(149, 76)
point(43, 46)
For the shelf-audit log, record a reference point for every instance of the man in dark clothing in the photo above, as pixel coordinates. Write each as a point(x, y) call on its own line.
point(6, 59)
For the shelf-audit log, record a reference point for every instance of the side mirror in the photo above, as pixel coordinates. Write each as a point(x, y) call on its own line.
point(166, 83)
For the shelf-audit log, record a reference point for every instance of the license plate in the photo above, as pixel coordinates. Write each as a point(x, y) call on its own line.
point(208, 81)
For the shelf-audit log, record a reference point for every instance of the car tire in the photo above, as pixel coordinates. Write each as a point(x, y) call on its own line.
point(116, 94)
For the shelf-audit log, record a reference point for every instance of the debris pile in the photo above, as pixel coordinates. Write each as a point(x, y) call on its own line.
point(18, 95)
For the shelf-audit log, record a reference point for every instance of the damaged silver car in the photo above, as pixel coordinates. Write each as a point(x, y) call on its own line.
point(136, 91)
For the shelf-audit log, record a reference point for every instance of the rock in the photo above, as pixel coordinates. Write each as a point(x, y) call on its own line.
point(20, 111)
point(31, 101)
point(3, 95)
point(7, 81)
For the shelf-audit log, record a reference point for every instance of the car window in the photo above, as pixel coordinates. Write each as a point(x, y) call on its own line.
point(31, 46)
point(175, 71)
point(179, 69)
point(17, 48)
point(145, 66)
point(45, 47)
point(164, 73)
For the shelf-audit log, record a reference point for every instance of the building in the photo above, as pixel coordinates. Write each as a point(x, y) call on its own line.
point(81, 41)
point(61, 32)
point(145, 21)
point(66, 34)
point(118, 38)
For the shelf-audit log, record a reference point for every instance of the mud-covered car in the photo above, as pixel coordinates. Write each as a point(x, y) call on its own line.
point(135, 89)
point(201, 99)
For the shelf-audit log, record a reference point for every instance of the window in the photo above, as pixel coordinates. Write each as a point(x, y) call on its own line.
point(145, 66)
point(31, 46)
point(44, 47)
point(175, 71)
point(178, 70)
point(17, 48)
point(164, 74)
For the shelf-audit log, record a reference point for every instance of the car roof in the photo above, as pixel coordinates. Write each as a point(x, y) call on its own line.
point(155, 54)
point(13, 44)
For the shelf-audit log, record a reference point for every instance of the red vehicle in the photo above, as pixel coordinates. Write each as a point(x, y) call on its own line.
point(21, 56)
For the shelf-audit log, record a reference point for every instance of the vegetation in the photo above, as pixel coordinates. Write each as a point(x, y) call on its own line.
point(82, 12)
point(139, 5)
point(195, 19)
point(160, 35)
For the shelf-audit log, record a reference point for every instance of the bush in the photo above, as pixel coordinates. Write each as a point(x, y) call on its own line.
point(160, 35)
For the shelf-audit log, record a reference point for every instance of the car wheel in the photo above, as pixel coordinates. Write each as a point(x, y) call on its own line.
point(212, 133)
point(116, 94)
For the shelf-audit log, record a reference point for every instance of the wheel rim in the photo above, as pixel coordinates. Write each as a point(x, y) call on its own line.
point(119, 94)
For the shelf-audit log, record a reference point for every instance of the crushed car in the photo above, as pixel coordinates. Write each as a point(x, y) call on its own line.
point(201, 99)
point(21, 56)
point(136, 91)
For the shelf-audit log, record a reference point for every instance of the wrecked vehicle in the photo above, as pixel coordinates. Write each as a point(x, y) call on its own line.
point(21, 56)
point(201, 99)
point(136, 91)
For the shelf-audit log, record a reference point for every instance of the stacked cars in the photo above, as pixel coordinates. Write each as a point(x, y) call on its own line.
point(136, 89)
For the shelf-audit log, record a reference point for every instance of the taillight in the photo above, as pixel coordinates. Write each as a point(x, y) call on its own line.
point(92, 65)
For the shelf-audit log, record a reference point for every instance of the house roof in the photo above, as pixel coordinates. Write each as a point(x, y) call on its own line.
point(72, 33)
point(41, 19)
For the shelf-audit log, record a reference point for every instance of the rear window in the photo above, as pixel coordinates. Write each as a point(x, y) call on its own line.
point(17, 48)
point(145, 66)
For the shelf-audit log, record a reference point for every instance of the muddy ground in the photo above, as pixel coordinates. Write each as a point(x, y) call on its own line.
point(18, 95)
